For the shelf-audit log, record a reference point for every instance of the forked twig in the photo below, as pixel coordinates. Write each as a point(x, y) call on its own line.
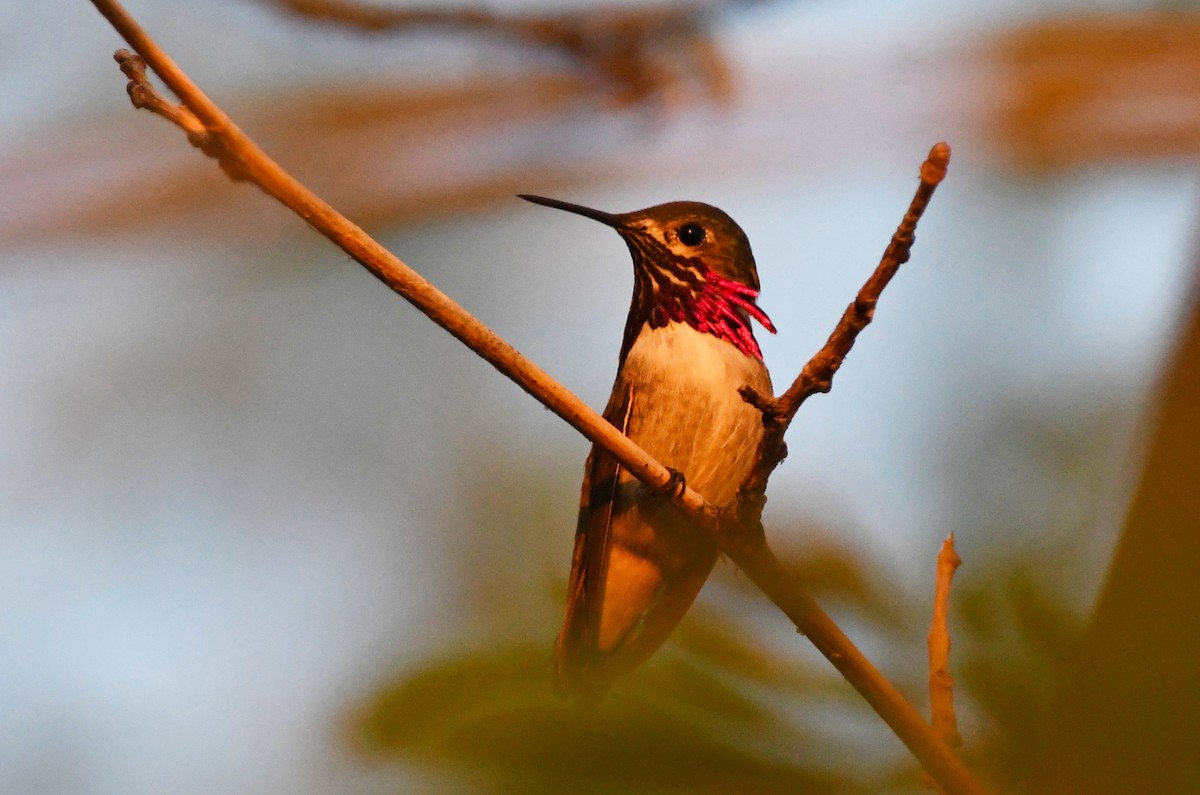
point(143, 95)
point(743, 543)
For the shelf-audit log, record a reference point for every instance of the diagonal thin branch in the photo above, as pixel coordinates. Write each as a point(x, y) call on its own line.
point(743, 542)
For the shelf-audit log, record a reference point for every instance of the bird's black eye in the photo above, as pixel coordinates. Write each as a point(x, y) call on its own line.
point(691, 234)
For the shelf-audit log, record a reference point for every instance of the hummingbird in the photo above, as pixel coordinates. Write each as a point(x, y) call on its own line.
point(688, 347)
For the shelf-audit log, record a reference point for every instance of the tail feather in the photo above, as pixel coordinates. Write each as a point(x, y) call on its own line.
point(644, 595)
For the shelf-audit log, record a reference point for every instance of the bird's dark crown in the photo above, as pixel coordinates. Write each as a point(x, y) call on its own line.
point(691, 234)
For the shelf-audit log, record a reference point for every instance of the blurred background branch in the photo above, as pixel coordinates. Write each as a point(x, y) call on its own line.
point(1092, 88)
point(641, 52)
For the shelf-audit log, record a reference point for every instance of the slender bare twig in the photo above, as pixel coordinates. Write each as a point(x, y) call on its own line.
point(817, 375)
point(628, 47)
point(744, 543)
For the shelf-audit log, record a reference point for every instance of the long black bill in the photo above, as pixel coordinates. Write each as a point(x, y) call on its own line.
point(608, 219)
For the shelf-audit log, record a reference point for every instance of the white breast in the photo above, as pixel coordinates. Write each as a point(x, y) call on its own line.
point(686, 408)
point(710, 362)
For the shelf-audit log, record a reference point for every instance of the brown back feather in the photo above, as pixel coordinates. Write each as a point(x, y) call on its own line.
point(581, 626)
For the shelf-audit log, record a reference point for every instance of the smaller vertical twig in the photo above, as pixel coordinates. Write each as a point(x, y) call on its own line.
point(941, 684)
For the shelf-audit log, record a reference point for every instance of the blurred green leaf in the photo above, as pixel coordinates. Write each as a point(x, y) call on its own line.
point(677, 728)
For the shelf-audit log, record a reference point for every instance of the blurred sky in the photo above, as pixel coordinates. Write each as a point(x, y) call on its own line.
point(237, 478)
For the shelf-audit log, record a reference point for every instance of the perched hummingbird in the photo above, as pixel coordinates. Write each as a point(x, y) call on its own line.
point(688, 348)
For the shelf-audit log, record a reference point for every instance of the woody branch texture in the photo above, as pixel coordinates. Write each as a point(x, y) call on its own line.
point(738, 530)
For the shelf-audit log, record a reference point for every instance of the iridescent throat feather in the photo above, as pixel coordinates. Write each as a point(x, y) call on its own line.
point(708, 302)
